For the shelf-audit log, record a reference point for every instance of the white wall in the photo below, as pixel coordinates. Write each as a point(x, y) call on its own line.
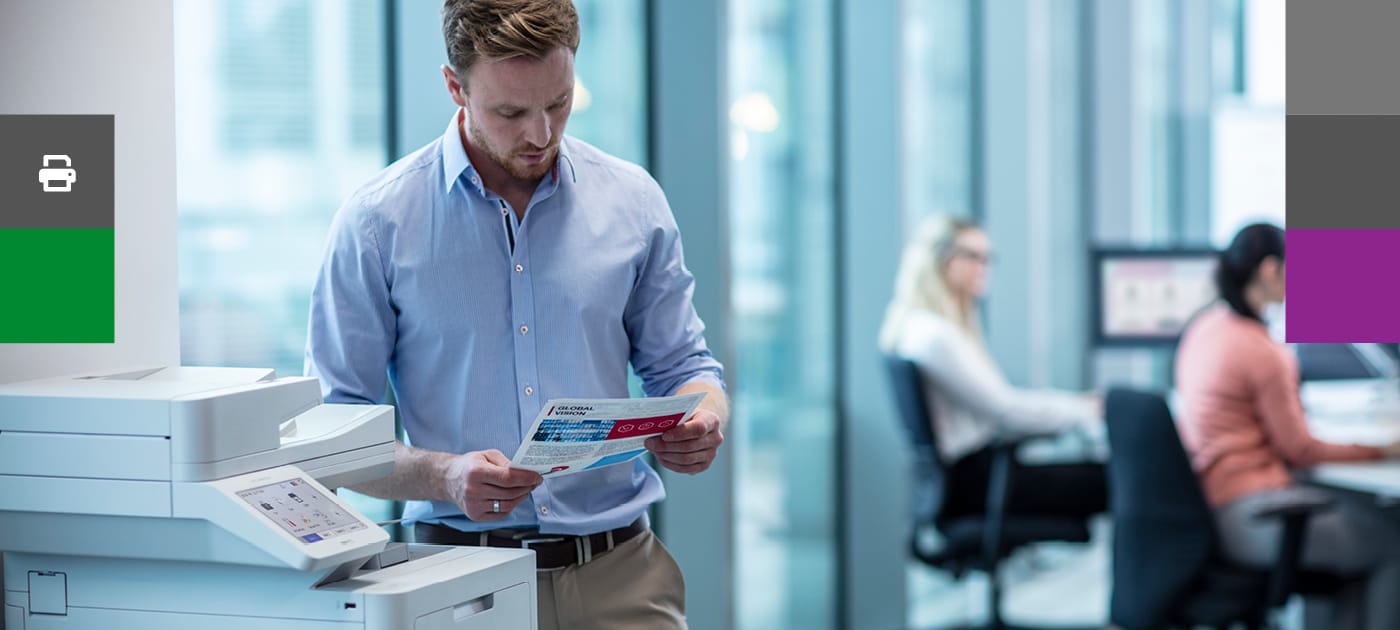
point(99, 57)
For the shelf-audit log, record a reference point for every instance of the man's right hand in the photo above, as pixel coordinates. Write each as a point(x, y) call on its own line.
point(476, 480)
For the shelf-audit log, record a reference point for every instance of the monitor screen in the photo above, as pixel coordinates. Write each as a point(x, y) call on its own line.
point(301, 510)
point(1146, 296)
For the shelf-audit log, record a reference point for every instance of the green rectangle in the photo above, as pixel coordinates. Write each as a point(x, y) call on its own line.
point(57, 286)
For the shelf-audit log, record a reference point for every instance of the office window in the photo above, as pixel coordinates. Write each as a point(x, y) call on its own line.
point(279, 107)
point(1244, 151)
point(939, 152)
point(938, 103)
point(782, 230)
point(610, 104)
point(1248, 148)
point(264, 59)
point(1154, 95)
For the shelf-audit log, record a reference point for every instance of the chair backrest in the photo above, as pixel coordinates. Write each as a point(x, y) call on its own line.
point(1164, 531)
point(916, 415)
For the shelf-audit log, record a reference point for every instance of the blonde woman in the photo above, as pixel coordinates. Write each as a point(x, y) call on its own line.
point(933, 321)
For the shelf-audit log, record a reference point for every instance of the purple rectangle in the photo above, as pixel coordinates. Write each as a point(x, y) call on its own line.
point(1343, 286)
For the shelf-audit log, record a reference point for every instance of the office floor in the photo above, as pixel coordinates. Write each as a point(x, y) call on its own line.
point(1051, 584)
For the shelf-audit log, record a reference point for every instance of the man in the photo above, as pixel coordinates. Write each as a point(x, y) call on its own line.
point(502, 265)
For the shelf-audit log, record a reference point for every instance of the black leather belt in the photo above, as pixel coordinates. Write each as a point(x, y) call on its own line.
point(552, 551)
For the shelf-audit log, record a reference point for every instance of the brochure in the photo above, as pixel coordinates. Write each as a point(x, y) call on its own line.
point(573, 435)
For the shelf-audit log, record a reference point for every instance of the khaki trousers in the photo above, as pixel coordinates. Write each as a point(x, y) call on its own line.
point(637, 585)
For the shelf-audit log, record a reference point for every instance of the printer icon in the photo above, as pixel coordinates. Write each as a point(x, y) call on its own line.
point(58, 179)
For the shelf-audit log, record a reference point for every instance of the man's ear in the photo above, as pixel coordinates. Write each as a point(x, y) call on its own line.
point(455, 88)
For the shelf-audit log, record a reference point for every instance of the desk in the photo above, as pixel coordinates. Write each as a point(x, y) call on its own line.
point(1380, 479)
point(1356, 412)
point(1364, 398)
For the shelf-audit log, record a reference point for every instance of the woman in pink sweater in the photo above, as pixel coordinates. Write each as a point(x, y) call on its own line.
point(1243, 424)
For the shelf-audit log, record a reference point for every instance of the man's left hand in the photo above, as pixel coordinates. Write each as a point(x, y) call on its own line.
point(691, 447)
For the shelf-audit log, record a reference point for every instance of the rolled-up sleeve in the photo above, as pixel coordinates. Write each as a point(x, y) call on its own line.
point(351, 327)
point(1281, 416)
point(667, 336)
point(967, 375)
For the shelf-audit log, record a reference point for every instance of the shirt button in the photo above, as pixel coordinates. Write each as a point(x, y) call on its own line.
point(504, 212)
point(519, 268)
point(529, 391)
point(544, 509)
point(476, 181)
point(524, 329)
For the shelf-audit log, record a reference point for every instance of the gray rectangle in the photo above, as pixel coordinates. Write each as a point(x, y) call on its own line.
point(1342, 57)
point(1343, 172)
point(57, 171)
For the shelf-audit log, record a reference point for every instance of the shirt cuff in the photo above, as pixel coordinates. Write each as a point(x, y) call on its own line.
point(704, 377)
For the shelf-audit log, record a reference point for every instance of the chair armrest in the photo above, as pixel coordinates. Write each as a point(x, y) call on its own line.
point(1294, 502)
point(1015, 441)
point(998, 491)
point(999, 485)
point(1293, 507)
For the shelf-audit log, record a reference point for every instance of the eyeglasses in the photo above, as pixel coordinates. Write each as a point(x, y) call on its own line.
point(983, 258)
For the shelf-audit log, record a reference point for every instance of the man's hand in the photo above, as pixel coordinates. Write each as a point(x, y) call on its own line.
point(476, 480)
point(690, 447)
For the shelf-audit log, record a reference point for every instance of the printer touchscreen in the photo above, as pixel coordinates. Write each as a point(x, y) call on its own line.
point(302, 510)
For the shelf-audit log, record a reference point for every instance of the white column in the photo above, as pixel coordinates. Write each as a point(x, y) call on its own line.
point(875, 454)
point(690, 158)
point(124, 53)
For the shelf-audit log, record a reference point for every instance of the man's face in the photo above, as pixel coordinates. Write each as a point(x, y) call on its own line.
point(517, 109)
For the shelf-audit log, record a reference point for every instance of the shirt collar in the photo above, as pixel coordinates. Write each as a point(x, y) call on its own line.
point(456, 165)
point(454, 155)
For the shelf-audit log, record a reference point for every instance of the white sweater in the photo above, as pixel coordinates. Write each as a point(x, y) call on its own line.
point(972, 403)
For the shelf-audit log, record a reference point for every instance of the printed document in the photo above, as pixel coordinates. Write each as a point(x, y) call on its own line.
point(574, 435)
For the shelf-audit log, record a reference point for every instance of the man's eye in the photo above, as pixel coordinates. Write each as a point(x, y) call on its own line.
point(511, 114)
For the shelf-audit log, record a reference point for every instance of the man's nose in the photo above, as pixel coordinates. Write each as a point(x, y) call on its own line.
point(538, 133)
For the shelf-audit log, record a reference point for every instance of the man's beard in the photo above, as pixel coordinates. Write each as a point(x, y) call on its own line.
point(526, 173)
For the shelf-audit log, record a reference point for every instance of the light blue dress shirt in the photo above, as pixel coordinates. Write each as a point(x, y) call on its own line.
point(419, 285)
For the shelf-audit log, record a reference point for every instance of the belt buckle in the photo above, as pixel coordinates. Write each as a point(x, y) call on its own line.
point(525, 542)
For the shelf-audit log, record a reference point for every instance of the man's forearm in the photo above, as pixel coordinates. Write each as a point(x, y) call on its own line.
point(419, 474)
point(715, 400)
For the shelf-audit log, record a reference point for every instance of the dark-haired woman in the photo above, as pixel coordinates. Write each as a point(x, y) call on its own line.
point(1242, 422)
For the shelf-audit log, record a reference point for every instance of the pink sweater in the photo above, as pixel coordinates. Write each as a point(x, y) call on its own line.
point(1241, 418)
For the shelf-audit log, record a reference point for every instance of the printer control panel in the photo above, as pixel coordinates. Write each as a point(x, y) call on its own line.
point(302, 510)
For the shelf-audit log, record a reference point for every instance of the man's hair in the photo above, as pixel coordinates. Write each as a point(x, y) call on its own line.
point(505, 29)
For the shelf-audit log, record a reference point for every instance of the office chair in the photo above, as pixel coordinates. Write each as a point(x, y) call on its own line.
point(1167, 567)
point(976, 542)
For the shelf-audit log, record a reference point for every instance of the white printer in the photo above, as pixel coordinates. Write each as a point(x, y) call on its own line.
point(199, 498)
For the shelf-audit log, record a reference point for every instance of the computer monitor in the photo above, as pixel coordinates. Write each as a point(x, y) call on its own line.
point(1146, 296)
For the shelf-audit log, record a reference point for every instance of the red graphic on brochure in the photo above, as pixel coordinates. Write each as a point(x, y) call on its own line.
point(643, 426)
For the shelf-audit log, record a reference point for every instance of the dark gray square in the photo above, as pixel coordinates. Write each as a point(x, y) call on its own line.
point(86, 141)
point(1341, 172)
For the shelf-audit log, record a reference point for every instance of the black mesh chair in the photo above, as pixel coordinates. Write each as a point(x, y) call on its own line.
point(1167, 567)
point(970, 542)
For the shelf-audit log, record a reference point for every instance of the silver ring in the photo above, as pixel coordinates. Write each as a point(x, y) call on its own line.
point(496, 505)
